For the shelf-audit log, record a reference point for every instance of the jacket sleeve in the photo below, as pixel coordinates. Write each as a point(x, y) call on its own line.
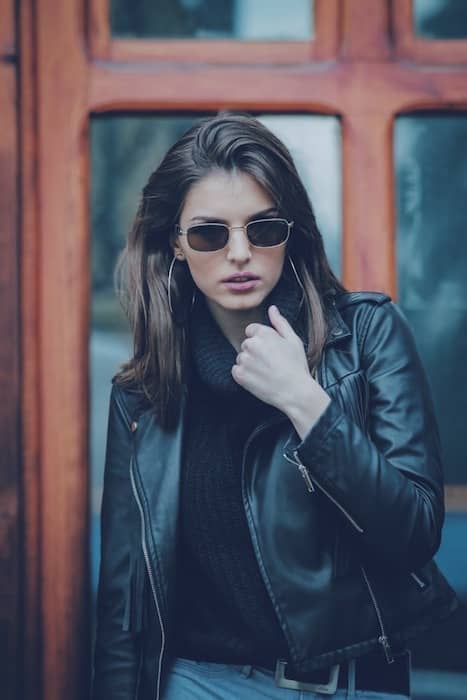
point(116, 650)
point(386, 481)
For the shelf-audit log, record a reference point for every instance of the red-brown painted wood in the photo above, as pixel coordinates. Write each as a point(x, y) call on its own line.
point(10, 475)
point(332, 89)
point(62, 345)
point(31, 630)
point(369, 249)
point(366, 30)
point(7, 29)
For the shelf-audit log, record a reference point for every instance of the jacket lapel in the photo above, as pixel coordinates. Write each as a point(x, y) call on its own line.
point(158, 455)
point(338, 329)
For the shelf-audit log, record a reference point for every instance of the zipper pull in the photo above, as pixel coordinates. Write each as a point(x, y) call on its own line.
point(306, 476)
point(383, 640)
point(301, 468)
point(304, 472)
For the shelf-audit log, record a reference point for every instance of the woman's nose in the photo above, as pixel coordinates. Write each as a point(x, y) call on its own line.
point(238, 247)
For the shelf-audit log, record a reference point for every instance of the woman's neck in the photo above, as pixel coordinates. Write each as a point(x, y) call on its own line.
point(233, 323)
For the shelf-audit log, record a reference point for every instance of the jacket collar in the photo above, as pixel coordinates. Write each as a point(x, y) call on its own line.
point(337, 331)
point(212, 355)
point(337, 327)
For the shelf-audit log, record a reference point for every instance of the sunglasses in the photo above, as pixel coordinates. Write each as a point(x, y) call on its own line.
point(261, 233)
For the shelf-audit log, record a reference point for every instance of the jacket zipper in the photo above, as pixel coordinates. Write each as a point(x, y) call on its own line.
point(303, 471)
point(318, 374)
point(309, 480)
point(383, 638)
point(150, 574)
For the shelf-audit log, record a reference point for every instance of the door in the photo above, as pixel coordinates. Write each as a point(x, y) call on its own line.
point(101, 80)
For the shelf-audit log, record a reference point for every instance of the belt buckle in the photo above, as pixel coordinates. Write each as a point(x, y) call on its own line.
point(328, 688)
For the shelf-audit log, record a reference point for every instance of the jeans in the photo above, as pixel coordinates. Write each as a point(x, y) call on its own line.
point(205, 680)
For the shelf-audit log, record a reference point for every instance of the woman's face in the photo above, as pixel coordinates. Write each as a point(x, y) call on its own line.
point(233, 198)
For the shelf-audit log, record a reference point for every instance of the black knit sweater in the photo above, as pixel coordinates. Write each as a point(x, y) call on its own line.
point(223, 610)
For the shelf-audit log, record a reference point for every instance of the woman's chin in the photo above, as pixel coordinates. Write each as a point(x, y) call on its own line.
point(237, 302)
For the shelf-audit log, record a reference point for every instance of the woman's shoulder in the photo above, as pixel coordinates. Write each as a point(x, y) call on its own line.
point(344, 299)
point(130, 398)
point(364, 313)
point(380, 325)
point(357, 309)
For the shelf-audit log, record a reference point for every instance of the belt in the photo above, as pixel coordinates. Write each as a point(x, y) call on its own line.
point(370, 672)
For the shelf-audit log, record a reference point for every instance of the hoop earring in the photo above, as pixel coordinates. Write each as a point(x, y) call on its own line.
point(294, 270)
point(169, 294)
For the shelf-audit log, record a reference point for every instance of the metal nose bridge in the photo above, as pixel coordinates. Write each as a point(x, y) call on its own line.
point(232, 228)
point(243, 228)
point(232, 245)
point(238, 249)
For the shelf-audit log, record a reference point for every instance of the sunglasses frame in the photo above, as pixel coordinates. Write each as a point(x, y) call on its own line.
point(182, 232)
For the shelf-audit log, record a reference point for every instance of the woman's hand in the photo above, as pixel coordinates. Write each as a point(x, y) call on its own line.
point(272, 365)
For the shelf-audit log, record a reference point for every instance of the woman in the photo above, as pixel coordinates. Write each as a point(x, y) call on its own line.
point(273, 488)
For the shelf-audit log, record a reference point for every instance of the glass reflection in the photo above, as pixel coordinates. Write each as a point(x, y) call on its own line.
point(211, 19)
point(431, 186)
point(440, 19)
point(430, 154)
point(124, 151)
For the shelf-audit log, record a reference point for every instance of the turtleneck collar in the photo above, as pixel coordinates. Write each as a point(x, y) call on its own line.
point(212, 353)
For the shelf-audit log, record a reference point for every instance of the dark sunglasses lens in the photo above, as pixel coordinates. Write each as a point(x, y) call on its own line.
point(268, 232)
point(207, 237)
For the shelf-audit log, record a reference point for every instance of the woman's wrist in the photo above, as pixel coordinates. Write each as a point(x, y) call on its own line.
point(305, 406)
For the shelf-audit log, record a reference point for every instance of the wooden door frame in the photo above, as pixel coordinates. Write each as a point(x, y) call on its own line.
point(10, 404)
point(72, 69)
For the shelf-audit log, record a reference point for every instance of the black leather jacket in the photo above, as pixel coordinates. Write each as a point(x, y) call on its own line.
point(344, 523)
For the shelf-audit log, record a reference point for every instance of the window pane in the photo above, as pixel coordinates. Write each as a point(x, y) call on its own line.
point(211, 19)
point(431, 157)
point(440, 19)
point(315, 144)
point(124, 151)
point(431, 185)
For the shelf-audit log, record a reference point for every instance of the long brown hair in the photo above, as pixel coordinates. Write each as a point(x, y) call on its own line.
point(227, 141)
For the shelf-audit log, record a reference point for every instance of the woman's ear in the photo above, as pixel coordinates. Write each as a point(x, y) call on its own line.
point(179, 254)
point(177, 249)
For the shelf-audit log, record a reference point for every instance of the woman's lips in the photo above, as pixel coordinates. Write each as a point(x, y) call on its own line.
point(245, 286)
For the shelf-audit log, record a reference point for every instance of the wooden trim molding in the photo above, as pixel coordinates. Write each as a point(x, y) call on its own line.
point(30, 369)
point(98, 29)
point(59, 410)
point(419, 49)
point(372, 44)
point(7, 29)
point(10, 462)
point(368, 241)
point(233, 52)
point(214, 52)
point(331, 89)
